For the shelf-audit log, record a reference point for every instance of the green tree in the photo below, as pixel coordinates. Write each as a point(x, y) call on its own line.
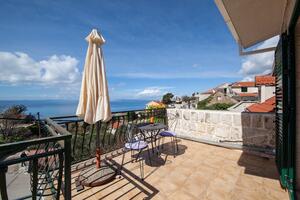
point(167, 98)
point(15, 111)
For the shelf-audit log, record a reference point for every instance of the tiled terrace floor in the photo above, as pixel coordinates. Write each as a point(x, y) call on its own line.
point(199, 171)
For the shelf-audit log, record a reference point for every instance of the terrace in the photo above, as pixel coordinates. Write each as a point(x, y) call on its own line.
point(222, 155)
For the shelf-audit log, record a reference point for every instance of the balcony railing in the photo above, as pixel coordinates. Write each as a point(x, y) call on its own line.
point(68, 140)
point(111, 133)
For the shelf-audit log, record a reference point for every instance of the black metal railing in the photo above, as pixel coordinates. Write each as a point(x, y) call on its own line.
point(112, 133)
point(64, 141)
point(47, 160)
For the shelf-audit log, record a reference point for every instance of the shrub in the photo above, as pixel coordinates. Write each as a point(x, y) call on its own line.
point(202, 105)
point(15, 111)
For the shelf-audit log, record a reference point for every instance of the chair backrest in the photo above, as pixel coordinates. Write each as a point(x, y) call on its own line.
point(131, 133)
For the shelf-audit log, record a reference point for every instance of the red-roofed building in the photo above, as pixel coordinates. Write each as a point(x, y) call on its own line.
point(245, 91)
point(267, 106)
point(244, 87)
point(248, 94)
point(243, 84)
point(265, 80)
point(266, 87)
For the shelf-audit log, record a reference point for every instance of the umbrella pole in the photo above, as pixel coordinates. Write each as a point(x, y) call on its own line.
point(98, 150)
point(98, 159)
point(101, 173)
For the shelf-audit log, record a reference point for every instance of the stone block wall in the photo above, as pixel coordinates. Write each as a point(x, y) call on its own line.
point(250, 129)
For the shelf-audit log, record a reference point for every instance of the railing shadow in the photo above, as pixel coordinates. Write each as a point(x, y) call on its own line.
point(112, 189)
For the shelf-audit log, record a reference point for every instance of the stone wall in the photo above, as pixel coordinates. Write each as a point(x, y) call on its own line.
point(250, 129)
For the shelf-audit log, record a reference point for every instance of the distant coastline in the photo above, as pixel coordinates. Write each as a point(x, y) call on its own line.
point(67, 107)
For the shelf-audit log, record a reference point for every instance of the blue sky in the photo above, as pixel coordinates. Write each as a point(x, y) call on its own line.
point(152, 47)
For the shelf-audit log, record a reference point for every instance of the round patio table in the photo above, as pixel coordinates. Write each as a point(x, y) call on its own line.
point(151, 131)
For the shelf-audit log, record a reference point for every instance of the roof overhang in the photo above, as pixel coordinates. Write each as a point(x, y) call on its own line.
point(254, 21)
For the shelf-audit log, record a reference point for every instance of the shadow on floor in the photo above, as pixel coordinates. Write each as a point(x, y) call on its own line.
point(110, 190)
point(258, 166)
point(160, 159)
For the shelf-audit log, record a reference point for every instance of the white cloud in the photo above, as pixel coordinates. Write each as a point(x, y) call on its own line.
point(19, 67)
point(152, 92)
point(259, 63)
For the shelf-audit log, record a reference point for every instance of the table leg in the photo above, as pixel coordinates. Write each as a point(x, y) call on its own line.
point(151, 137)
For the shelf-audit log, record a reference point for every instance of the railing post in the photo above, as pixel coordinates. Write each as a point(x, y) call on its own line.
point(34, 178)
point(60, 172)
point(39, 123)
point(68, 168)
point(3, 183)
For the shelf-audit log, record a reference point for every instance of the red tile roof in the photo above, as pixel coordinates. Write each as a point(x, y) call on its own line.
point(247, 94)
point(265, 80)
point(243, 84)
point(267, 106)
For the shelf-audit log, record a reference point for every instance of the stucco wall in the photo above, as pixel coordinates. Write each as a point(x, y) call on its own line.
point(251, 129)
point(250, 90)
point(266, 92)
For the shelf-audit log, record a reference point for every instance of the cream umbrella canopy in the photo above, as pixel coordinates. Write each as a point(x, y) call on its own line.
point(94, 106)
point(94, 102)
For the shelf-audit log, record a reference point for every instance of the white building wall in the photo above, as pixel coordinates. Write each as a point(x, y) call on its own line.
point(250, 90)
point(266, 92)
point(202, 96)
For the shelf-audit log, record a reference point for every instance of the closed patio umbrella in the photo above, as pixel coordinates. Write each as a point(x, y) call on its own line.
point(94, 99)
point(94, 105)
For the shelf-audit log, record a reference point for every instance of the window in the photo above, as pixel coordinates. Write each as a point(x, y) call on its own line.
point(244, 89)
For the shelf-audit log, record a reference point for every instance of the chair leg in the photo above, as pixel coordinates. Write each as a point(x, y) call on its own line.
point(162, 146)
point(138, 155)
point(159, 142)
point(142, 168)
point(176, 143)
point(121, 166)
point(131, 154)
point(173, 146)
point(148, 150)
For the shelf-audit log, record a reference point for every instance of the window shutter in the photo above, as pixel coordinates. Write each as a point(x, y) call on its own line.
point(285, 112)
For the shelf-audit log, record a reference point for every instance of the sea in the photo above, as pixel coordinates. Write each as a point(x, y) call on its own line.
point(50, 108)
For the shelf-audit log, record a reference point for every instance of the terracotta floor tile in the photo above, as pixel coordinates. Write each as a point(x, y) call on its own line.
point(200, 171)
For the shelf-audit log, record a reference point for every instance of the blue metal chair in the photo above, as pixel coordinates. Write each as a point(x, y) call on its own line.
point(135, 141)
point(173, 137)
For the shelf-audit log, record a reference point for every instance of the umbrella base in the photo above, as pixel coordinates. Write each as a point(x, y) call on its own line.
point(93, 176)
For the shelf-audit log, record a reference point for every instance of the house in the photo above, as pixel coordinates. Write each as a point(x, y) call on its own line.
point(245, 91)
point(264, 100)
point(266, 106)
point(266, 87)
point(244, 87)
point(266, 95)
point(220, 97)
point(204, 95)
point(224, 88)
